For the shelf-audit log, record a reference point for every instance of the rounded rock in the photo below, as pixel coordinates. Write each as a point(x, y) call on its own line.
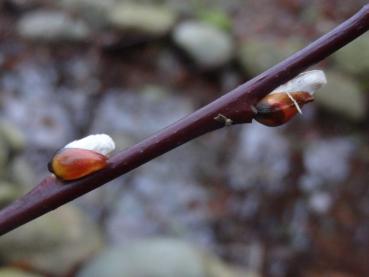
point(343, 96)
point(354, 58)
point(12, 135)
point(53, 243)
point(207, 45)
point(153, 20)
point(158, 257)
point(49, 25)
point(14, 272)
point(256, 55)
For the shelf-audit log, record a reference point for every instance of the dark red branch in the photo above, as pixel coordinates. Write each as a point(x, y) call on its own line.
point(235, 105)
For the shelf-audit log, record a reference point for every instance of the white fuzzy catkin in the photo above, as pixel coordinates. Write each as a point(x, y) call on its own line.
point(100, 143)
point(308, 81)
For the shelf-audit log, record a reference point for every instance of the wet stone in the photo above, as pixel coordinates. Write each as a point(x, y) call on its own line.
point(22, 172)
point(159, 257)
point(150, 19)
point(95, 12)
point(12, 135)
point(8, 192)
point(13, 272)
point(53, 243)
point(343, 96)
point(354, 57)
point(207, 45)
point(49, 25)
point(257, 55)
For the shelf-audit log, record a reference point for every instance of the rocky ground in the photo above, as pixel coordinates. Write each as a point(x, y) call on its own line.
point(245, 201)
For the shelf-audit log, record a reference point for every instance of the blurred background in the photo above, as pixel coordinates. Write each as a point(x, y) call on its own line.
point(245, 201)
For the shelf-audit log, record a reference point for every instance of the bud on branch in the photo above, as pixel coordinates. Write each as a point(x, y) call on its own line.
point(235, 107)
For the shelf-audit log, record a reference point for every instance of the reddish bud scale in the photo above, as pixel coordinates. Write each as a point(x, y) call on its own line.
point(277, 108)
point(74, 163)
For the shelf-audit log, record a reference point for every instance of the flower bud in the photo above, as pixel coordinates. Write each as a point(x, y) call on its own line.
point(82, 157)
point(286, 101)
point(278, 108)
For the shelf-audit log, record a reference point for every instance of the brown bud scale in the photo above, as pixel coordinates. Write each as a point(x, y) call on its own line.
point(277, 108)
point(74, 163)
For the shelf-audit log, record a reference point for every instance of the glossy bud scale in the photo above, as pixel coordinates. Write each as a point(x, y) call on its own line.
point(82, 157)
point(285, 102)
point(278, 108)
point(74, 163)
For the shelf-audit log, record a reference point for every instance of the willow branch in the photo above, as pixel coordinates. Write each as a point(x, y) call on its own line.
point(235, 105)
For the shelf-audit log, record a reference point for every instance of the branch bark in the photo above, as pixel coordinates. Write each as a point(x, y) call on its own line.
point(235, 105)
